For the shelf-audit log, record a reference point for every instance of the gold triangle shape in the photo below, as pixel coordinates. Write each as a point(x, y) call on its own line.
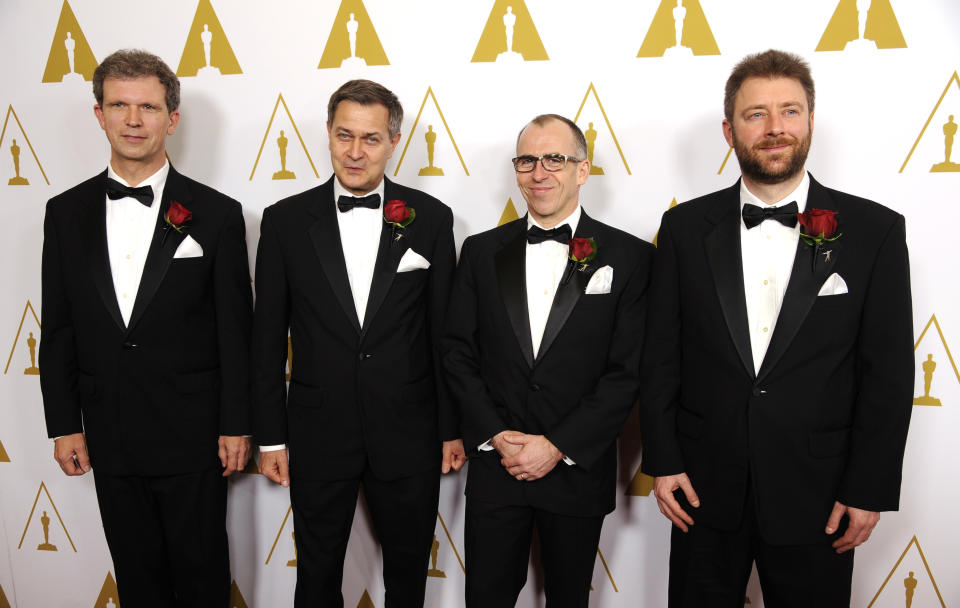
point(926, 399)
point(17, 180)
point(509, 213)
point(108, 594)
point(433, 571)
point(596, 97)
point(953, 79)
point(236, 598)
point(881, 27)
point(603, 561)
point(673, 204)
point(277, 539)
point(916, 543)
point(662, 35)
point(43, 488)
point(281, 100)
point(4, 457)
point(725, 159)
point(429, 95)
point(352, 14)
point(4, 603)
point(365, 601)
point(525, 38)
point(58, 62)
point(206, 29)
point(32, 370)
point(640, 485)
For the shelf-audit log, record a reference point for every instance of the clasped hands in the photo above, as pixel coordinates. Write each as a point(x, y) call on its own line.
point(526, 457)
point(859, 528)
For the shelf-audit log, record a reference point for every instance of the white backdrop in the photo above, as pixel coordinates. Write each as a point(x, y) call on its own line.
point(880, 116)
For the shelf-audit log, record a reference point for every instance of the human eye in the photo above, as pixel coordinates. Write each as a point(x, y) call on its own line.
point(554, 161)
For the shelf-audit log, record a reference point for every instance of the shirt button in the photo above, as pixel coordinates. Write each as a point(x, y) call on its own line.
point(545, 292)
point(128, 257)
point(765, 330)
point(765, 282)
point(768, 237)
point(124, 295)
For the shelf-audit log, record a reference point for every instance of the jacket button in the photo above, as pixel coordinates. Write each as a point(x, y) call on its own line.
point(129, 346)
point(535, 388)
point(364, 356)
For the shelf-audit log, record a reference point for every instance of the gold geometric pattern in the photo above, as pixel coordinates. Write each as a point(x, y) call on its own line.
point(881, 27)
point(352, 23)
point(673, 204)
point(16, 338)
point(4, 603)
point(509, 213)
point(592, 89)
point(365, 601)
point(450, 540)
point(279, 532)
point(70, 55)
point(109, 596)
point(509, 32)
point(662, 35)
point(4, 457)
point(913, 543)
point(933, 321)
point(3, 131)
point(603, 561)
point(236, 598)
point(640, 485)
point(725, 159)
point(429, 95)
point(43, 488)
point(207, 49)
point(953, 79)
point(266, 133)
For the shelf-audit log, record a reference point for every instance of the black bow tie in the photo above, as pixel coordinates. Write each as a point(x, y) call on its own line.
point(560, 234)
point(346, 203)
point(785, 214)
point(116, 190)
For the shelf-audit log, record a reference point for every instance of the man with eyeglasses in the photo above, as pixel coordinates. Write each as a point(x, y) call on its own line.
point(543, 358)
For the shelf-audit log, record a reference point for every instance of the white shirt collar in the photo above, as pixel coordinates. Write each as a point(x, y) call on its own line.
point(571, 220)
point(799, 194)
point(155, 181)
point(339, 190)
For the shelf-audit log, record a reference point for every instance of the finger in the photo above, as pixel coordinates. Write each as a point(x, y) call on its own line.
point(668, 513)
point(689, 493)
point(222, 453)
point(458, 461)
point(514, 438)
point(230, 463)
point(445, 462)
point(82, 457)
point(677, 511)
point(833, 522)
point(67, 464)
point(284, 470)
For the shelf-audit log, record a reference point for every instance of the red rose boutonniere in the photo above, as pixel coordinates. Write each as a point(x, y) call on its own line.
point(818, 226)
point(582, 251)
point(177, 215)
point(399, 215)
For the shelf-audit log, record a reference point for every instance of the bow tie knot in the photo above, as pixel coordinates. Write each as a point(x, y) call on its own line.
point(785, 214)
point(348, 203)
point(560, 234)
point(116, 190)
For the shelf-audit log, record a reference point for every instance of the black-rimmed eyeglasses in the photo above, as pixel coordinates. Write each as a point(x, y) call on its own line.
point(549, 162)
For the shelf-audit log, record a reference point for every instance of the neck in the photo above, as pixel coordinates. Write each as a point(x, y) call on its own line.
point(552, 221)
point(772, 193)
point(135, 171)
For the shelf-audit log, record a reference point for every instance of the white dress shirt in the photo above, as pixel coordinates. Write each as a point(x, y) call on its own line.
point(360, 237)
point(130, 228)
point(767, 250)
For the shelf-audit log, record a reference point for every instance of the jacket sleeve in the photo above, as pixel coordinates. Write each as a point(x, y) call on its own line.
point(442, 265)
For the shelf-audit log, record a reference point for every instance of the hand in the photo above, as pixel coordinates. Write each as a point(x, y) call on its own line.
point(274, 466)
point(502, 447)
point(454, 456)
point(536, 458)
point(663, 488)
point(861, 524)
point(234, 453)
point(70, 451)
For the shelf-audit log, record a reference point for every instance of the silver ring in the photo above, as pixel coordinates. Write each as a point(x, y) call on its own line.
point(523, 475)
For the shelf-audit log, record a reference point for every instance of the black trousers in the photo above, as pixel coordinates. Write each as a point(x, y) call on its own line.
point(710, 567)
point(168, 538)
point(497, 544)
point(404, 514)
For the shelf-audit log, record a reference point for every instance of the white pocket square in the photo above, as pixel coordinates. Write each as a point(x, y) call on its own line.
point(412, 260)
point(833, 286)
point(601, 281)
point(188, 248)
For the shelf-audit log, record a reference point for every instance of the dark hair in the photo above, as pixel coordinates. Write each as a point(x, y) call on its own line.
point(580, 142)
point(134, 63)
point(769, 64)
point(367, 92)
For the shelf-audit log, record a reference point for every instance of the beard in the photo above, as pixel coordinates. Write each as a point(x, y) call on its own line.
point(757, 168)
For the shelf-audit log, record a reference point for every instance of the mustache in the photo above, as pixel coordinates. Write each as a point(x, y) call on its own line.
point(774, 142)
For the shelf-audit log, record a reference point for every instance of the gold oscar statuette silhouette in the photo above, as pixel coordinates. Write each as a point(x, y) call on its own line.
point(16, 180)
point(110, 603)
point(33, 370)
point(678, 50)
point(928, 367)
point(434, 550)
point(949, 132)
point(206, 37)
point(509, 22)
point(293, 562)
point(909, 585)
point(283, 173)
point(431, 137)
point(45, 545)
point(70, 45)
point(861, 42)
point(591, 135)
point(353, 61)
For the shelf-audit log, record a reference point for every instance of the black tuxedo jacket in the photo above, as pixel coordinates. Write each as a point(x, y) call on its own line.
point(154, 396)
point(825, 418)
point(577, 391)
point(357, 394)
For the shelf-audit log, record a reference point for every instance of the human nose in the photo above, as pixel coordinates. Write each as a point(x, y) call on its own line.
point(354, 150)
point(133, 117)
point(774, 124)
point(539, 173)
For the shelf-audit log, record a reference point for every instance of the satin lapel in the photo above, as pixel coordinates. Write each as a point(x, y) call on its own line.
point(510, 263)
point(95, 244)
point(806, 279)
point(389, 253)
point(325, 236)
point(568, 295)
point(722, 245)
point(161, 251)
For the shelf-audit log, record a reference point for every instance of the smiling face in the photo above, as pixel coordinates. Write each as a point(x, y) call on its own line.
point(771, 129)
point(551, 195)
point(135, 118)
point(360, 145)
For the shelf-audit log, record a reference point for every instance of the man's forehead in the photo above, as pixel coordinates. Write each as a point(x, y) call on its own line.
point(779, 89)
point(351, 115)
point(551, 134)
